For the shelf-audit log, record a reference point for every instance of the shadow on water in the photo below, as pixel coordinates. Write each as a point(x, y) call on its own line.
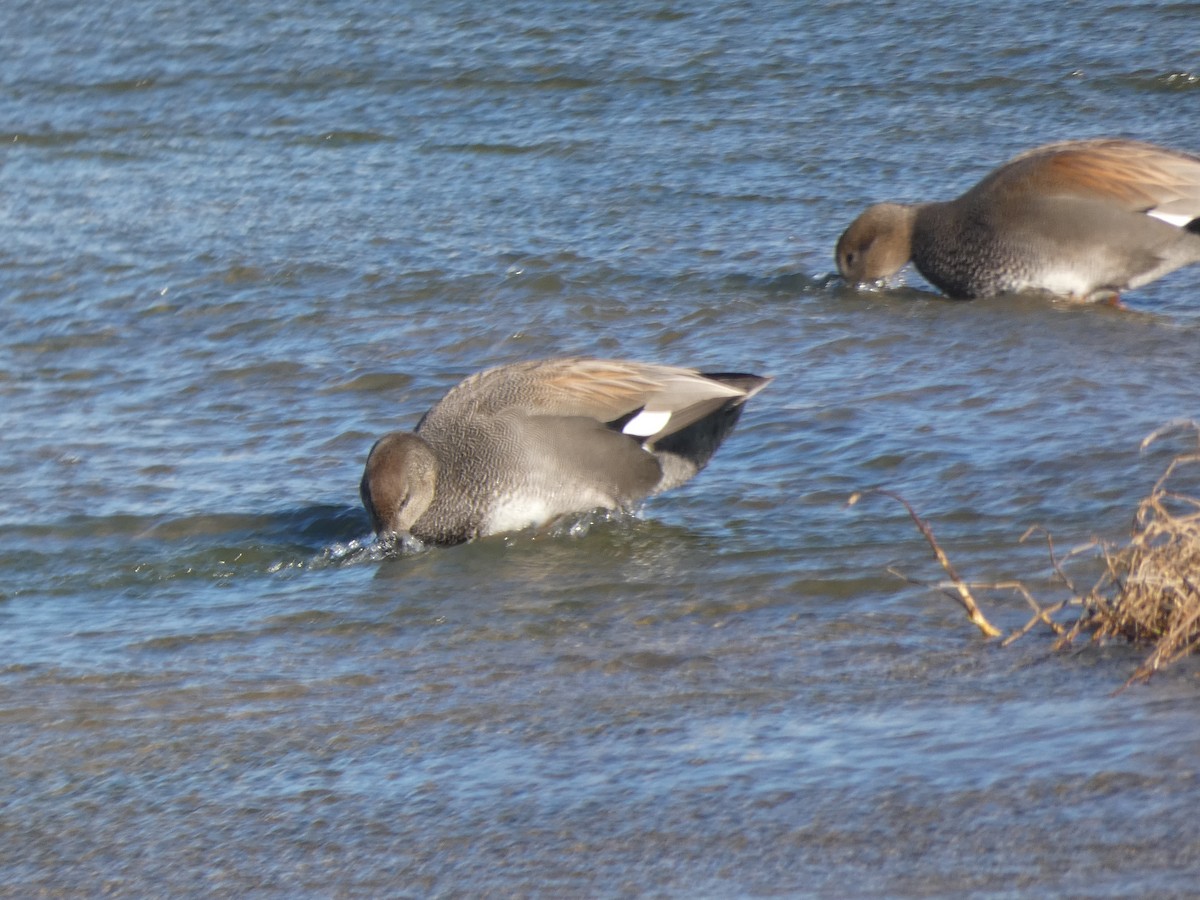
point(313, 526)
point(136, 553)
point(297, 538)
point(125, 552)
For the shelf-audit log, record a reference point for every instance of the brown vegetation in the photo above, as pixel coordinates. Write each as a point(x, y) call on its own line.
point(1148, 592)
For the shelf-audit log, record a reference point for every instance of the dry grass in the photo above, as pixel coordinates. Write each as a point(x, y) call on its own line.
point(1149, 591)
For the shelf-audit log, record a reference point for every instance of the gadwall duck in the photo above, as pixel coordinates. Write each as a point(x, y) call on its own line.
point(522, 445)
point(1081, 219)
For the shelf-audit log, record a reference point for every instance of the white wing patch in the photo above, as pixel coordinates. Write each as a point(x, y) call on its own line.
point(1176, 219)
point(647, 422)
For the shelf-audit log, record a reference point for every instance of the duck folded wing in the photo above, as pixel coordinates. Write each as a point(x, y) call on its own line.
point(578, 455)
point(1136, 176)
point(642, 400)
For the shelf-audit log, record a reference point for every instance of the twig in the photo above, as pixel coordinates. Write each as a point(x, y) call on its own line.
point(1054, 560)
point(963, 597)
point(1040, 613)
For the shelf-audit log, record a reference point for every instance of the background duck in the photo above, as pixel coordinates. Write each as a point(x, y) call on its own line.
point(1082, 219)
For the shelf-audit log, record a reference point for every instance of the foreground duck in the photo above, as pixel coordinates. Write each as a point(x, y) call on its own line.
point(1081, 219)
point(521, 445)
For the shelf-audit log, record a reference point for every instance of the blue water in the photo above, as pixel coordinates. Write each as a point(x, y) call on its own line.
point(242, 242)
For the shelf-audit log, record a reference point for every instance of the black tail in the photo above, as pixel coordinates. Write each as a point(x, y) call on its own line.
point(687, 451)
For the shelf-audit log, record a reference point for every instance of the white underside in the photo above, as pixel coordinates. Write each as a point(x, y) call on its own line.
point(511, 513)
point(515, 515)
point(1066, 283)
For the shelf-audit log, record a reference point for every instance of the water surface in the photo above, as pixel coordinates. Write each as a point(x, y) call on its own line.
point(241, 243)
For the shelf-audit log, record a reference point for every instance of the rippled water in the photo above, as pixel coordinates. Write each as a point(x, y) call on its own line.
point(242, 241)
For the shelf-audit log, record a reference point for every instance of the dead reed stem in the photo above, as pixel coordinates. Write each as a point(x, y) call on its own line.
point(1148, 593)
point(963, 592)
